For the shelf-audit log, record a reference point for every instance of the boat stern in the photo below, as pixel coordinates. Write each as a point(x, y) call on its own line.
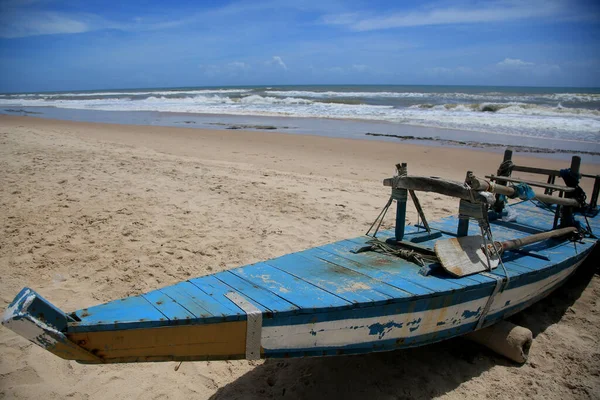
point(37, 320)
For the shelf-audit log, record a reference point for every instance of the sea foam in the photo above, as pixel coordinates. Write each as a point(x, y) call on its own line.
point(541, 115)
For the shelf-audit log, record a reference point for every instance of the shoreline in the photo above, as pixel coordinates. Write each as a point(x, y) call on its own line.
point(476, 145)
point(351, 129)
point(191, 141)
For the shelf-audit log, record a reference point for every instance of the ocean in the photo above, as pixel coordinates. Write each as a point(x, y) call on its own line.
point(555, 118)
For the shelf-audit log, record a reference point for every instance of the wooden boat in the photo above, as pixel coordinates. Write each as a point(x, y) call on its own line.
point(360, 295)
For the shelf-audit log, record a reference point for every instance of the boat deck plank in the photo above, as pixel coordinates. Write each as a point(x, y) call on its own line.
point(169, 307)
point(129, 312)
point(263, 299)
point(199, 303)
point(289, 287)
point(217, 291)
point(409, 289)
point(343, 282)
point(377, 285)
point(401, 269)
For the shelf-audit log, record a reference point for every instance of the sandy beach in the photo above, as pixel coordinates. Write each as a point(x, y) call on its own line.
point(95, 212)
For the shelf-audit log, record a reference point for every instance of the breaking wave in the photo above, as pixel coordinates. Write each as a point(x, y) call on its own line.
point(511, 108)
point(568, 116)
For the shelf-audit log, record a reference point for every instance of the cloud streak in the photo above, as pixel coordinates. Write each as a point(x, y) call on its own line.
point(496, 11)
point(34, 18)
point(278, 61)
point(16, 24)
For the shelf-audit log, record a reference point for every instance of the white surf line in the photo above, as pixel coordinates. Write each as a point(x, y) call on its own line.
point(406, 325)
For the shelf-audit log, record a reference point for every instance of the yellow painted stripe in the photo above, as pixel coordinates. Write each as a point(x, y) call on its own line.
point(186, 342)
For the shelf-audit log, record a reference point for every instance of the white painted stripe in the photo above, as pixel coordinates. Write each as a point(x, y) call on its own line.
point(361, 330)
point(253, 325)
point(365, 330)
point(524, 293)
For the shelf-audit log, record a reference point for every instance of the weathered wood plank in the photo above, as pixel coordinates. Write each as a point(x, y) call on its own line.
point(380, 285)
point(401, 268)
point(199, 303)
point(331, 254)
point(263, 299)
point(200, 342)
point(531, 183)
point(479, 184)
point(463, 281)
point(169, 307)
point(127, 313)
point(217, 290)
point(544, 171)
point(295, 290)
point(433, 184)
point(343, 282)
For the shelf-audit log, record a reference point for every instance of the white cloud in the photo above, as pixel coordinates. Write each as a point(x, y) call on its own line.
point(341, 19)
point(238, 65)
point(512, 63)
point(441, 71)
point(517, 65)
point(335, 70)
point(492, 11)
point(360, 67)
point(234, 68)
point(508, 66)
point(17, 24)
point(20, 22)
point(276, 60)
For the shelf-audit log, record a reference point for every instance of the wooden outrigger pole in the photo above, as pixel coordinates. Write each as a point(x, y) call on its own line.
point(477, 192)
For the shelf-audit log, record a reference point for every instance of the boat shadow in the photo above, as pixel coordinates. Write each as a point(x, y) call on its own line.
point(423, 372)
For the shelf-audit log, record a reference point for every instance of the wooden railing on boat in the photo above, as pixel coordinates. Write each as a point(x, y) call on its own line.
point(476, 197)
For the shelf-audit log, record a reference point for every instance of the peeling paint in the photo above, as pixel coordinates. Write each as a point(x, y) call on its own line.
point(382, 329)
point(469, 314)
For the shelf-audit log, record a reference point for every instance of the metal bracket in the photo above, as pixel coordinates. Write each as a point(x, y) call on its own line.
point(486, 309)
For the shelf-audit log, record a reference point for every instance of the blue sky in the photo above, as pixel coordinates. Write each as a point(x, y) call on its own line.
point(50, 45)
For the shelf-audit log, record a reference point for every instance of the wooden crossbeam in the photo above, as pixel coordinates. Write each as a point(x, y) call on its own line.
point(544, 171)
point(532, 183)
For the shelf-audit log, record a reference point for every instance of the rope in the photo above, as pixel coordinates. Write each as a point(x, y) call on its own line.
point(589, 228)
point(409, 255)
point(523, 191)
point(497, 251)
point(505, 169)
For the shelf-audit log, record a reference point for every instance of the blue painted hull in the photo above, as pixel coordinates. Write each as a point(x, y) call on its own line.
point(322, 301)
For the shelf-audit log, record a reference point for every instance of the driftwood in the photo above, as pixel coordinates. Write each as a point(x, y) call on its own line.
point(504, 338)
